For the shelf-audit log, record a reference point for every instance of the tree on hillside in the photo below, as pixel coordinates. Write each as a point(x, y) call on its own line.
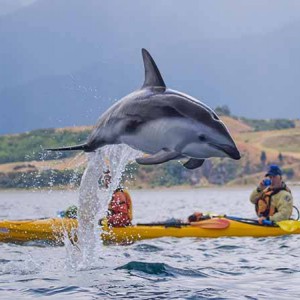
point(280, 158)
point(289, 172)
point(223, 110)
point(263, 158)
point(247, 167)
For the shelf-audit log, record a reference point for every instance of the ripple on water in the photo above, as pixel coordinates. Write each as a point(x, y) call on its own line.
point(160, 269)
point(4, 261)
point(66, 290)
point(147, 248)
point(287, 270)
point(33, 279)
point(228, 247)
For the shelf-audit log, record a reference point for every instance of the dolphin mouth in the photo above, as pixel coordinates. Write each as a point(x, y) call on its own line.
point(231, 151)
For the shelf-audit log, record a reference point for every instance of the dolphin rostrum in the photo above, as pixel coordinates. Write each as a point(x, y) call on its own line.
point(163, 123)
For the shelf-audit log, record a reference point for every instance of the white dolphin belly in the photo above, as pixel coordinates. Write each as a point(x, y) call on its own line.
point(163, 133)
point(197, 150)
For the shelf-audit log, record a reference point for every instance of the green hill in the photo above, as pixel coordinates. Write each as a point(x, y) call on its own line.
point(24, 163)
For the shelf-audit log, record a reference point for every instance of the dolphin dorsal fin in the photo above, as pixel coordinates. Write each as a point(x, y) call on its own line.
point(152, 74)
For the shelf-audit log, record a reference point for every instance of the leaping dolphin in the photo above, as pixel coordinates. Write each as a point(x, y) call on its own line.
point(163, 123)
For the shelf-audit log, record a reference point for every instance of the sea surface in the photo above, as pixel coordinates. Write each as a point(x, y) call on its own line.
point(165, 268)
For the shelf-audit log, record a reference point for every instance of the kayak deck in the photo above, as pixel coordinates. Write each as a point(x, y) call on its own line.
point(236, 229)
point(55, 229)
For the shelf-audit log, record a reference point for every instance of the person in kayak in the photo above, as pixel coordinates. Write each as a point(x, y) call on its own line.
point(198, 216)
point(272, 198)
point(119, 213)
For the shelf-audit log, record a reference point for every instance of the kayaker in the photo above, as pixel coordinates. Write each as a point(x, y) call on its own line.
point(272, 198)
point(119, 213)
point(198, 216)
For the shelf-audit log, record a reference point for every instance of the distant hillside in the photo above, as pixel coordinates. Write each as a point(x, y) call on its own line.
point(38, 168)
point(30, 145)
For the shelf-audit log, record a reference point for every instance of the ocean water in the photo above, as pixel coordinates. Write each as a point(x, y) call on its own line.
point(165, 268)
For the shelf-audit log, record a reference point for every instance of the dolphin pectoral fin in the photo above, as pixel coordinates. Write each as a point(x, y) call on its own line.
point(158, 158)
point(152, 75)
point(193, 163)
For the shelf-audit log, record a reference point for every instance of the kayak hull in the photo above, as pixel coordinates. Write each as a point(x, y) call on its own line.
point(50, 229)
point(56, 229)
point(235, 229)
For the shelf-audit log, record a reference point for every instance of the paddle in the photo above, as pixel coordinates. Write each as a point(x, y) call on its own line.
point(286, 225)
point(206, 224)
point(214, 223)
point(289, 225)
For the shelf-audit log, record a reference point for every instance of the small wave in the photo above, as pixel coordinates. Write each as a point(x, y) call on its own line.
point(33, 279)
point(160, 269)
point(36, 243)
point(287, 270)
point(225, 272)
point(228, 247)
point(4, 261)
point(54, 291)
point(147, 248)
point(149, 268)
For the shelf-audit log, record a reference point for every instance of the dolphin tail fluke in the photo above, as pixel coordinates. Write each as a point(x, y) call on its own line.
point(193, 163)
point(158, 158)
point(83, 147)
point(152, 75)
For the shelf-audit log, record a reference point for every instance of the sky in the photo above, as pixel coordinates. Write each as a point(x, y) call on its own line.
point(234, 17)
point(225, 52)
point(9, 6)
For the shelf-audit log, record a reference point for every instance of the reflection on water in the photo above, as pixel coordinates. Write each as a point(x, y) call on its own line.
point(166, 268)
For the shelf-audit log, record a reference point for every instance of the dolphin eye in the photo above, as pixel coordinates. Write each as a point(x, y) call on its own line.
point(202, 138)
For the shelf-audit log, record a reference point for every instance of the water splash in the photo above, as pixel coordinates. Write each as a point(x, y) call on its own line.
point(93, 200)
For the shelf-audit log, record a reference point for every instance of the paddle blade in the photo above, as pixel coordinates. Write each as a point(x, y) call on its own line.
point(289, 225)
point(212, 224)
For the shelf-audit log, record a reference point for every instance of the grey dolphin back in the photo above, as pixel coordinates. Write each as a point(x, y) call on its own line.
point(152, 75)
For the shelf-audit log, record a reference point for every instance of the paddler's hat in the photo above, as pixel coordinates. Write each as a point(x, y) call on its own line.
point(274, 170)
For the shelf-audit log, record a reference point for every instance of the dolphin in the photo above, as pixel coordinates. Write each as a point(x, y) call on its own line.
point(164, 123)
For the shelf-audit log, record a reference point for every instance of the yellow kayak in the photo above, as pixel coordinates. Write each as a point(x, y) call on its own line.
point(53, 229)
point(234, 229)
point(56, 229)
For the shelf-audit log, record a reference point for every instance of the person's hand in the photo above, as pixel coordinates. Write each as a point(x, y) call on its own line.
point(266, 182)
point(261, 185)
point(261, 219)
point(102, 222)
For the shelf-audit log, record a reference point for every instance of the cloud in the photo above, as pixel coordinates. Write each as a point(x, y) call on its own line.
point(9, 6)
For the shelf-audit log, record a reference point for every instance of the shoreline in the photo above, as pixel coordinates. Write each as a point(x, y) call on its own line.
point(157, 188)
point(129, 187)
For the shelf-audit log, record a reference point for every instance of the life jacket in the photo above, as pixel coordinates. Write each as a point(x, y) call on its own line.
point(263, 206)
point(129, 204)
point(120, 209)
